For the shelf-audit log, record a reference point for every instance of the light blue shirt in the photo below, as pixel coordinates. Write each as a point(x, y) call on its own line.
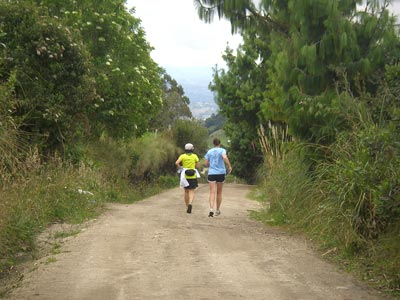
point(217, 164)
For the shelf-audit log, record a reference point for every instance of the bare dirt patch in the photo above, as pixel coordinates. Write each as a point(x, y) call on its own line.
point(153, 249)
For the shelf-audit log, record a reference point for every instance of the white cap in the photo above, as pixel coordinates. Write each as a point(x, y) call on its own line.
point(189, 146)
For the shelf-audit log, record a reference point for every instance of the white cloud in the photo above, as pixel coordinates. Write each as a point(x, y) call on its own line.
point(179, 37)
point(395, 9)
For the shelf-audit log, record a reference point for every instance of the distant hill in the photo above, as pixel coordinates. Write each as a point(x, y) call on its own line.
point(195, 81)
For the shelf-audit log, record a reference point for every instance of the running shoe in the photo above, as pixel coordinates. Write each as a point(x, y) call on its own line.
point(189, 209)
point(217, 213)
point(211, 214)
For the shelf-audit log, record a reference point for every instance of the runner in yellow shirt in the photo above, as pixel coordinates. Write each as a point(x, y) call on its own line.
point(189, 162)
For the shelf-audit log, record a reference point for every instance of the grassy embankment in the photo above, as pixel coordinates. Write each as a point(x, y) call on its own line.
point(347, 205)
point(55, 191)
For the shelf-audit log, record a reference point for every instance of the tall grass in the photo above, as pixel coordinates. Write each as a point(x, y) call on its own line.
point(13, 149)
point(12, 145)
point(52, 193)
point(154, 156)
point(348, 203)
point(345, 195)
point(363, 178)
point(55, 190)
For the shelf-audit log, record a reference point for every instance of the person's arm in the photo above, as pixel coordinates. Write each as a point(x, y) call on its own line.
point(197, 165)
point(206, 163)
point(227, 162)
point(178, 162)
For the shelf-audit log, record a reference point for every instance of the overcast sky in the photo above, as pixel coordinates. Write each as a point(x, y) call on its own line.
point(179, 37)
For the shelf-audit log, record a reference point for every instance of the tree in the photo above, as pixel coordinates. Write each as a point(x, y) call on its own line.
point(317, 52)
point(215, 122)
point(191, 131)
point(175, 104)
point(49, 63)
point(128, 81)
point(81, 67)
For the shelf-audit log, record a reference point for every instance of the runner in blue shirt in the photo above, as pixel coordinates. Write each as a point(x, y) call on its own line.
point(216, 160)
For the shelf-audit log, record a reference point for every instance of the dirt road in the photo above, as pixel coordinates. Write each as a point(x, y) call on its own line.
point(155, 250)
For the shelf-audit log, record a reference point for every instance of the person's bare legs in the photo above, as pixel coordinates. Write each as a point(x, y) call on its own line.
point(211, 197)
point(219, 196)
point(213, 189)
point(186, 197)
point(191, 196)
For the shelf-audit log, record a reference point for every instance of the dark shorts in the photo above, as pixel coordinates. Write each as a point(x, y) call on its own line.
point(216, 178)
point(192, 184)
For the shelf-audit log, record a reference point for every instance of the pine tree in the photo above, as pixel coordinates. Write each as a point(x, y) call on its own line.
point(319, 55)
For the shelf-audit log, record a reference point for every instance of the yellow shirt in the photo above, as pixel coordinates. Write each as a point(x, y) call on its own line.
point(189, 161)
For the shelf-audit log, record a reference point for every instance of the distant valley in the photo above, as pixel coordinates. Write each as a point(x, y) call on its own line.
point(202, 102)
point(195, 81)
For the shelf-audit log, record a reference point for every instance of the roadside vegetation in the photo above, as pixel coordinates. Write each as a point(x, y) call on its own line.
point(348, 204)
point(311, 103)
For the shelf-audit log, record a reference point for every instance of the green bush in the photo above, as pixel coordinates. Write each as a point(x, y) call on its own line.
point(244, 150)
point(153, 156)
point(349, 204)
point(362, 178)
point(137, 159)
point(50, 64)
point(113, 158)
point(188, 131)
